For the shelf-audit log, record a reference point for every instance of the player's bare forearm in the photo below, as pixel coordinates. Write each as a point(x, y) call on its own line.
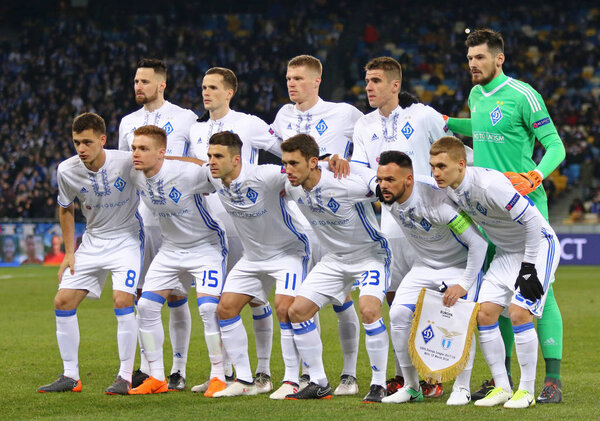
point(186, 159)
point(66, 217)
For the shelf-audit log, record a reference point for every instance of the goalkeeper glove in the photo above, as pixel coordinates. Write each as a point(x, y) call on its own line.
point(525, 182)
point(528, 282)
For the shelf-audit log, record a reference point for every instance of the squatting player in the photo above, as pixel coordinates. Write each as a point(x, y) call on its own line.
point(276, 253)
point(525, 247)
point(149, 86)
point(449, 251)
point(193, 249)
point(218, 88)
point(331, 125)
point(342, 217)
point(113, 242)
point(507, 116)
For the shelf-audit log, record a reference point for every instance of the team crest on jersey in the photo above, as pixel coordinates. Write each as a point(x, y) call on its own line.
point(321, 127)
point(407, 130)
point(168, 128)
point(252, 195)
point(333, 205)
point(496, 115)
point(481, 209)
point(425, 224)
point(374, 137)
point(83, 190)
point(175, 195)
point(120, 184)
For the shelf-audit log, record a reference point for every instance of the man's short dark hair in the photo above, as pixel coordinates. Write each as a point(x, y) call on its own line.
point(156, 133)
point(159, 66)
point(229, 79)
point(229, 139)
point(395, 157)
point(492, 39)
point(87, 121)
point(304, 143)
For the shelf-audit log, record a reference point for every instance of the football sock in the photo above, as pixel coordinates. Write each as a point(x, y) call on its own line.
point(508, 337)
point(349, 332)
point(550, 332)
point(207, 307)
point(526, 344)
point(180, 330)
point(377, 344)
point(235, 341)
point(151, 330)
point(127, 328)
point(490, 342)
point(400, 323)
point(144, 367)
point(67, 335)
point(291, 359)
point(262, 321)
point(309, 345)
point(464, 377)
point(317, 322)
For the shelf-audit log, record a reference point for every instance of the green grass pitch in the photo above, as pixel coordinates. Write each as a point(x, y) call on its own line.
point(30, 358)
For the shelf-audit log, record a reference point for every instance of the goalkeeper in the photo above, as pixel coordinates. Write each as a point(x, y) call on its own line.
point(507, 116)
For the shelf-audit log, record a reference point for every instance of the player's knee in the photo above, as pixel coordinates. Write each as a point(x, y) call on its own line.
point(369, 314)
point(123, 301)
point(295, 314)
point(224, 311)
point(64, 302)
point(282, 309)
point(485, 318)
point(519, 315)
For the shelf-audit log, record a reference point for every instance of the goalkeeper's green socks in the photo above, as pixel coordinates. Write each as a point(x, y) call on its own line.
point(550, 333)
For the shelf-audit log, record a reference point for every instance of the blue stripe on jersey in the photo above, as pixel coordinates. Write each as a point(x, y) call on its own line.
point(123, 311)
point(458, 239)
point(142, 242)
point(521, 214)
point(361, 162)
point(478, 283)
point(549, 260)
point(347, 150)
point(253, 153)
point(186, 149)
point(213, 225)
point(376, 237)
point(287, 219)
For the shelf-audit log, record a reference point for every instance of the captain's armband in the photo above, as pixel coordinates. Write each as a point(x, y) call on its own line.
point(460, 223)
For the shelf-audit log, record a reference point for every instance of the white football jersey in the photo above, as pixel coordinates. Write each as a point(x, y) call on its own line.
point(265, 225)
point(341, 215)
point(175, 195)
point(331, 124)
point(254, 133)
point(489, 198)
point(176, 121)
point(108, 197)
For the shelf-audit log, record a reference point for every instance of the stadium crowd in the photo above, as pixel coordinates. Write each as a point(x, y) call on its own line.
point(54, 68)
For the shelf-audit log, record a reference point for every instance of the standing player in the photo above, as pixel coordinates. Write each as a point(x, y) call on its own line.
point(193, 249)
point(331, 125)
point(278, 255)
point(149, 85)
point(410, 128)
point(525, 246)
point(113, 242)
point(449, 249)
point(218, 87)
point(356, 250)
point(507, 116)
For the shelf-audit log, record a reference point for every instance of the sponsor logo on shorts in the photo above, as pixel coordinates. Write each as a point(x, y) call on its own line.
point(541, 122)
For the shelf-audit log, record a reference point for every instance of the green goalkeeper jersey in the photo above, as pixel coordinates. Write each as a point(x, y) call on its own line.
point(507, 116)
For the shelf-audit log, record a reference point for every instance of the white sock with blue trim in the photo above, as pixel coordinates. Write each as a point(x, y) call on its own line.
point(152, 332)
point(291, 358)
point(235, 341)
point(349, 331)
point(180, 330)
point(207, 307)
point(377, 344)
point(309, 346)
point(463, 380)
point(144, 366)
point(492, 348)
point(127, 329)
point(526, 345)
point(400, 324)
point(262, 321)
point(67, 336)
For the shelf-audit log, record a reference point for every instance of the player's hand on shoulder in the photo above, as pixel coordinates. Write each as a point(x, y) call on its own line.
point(452, 294)
point(339, 166)
point(68, 262)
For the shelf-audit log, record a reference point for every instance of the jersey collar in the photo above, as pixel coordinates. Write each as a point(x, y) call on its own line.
point(464, 185)
point(496, 83)
point(312, 109)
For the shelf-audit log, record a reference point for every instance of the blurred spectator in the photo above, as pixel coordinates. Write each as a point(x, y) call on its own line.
point(31, 252)
point(9, 249)
point(576, 210)
point(55, 256)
